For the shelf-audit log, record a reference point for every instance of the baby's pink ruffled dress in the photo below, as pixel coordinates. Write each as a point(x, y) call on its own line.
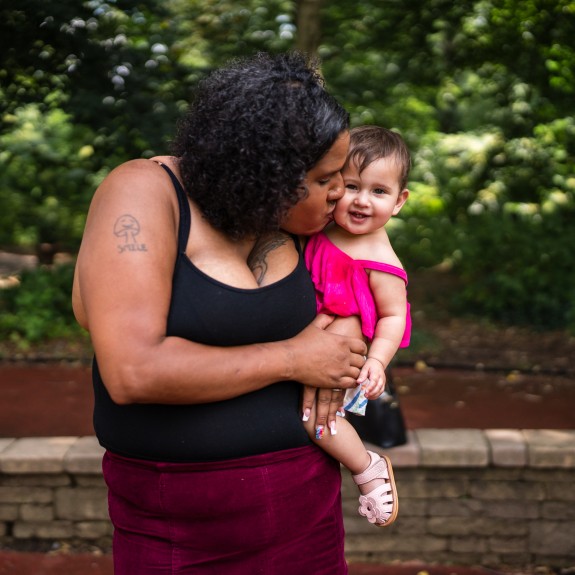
point(342, 289)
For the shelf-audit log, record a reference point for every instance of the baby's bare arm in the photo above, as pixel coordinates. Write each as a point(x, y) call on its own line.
point(391, 304)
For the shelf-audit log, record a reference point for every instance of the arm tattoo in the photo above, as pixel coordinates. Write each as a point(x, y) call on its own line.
point(257, 260)
point(127, 228)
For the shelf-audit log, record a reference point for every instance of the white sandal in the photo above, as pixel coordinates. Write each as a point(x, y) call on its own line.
point(380, 505)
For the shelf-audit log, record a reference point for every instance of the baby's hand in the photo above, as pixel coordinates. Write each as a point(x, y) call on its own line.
point(372, 377)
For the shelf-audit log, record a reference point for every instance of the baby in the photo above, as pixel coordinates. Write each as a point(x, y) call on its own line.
point(359, 278)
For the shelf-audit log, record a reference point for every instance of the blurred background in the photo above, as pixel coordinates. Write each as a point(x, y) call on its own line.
point(482, 90)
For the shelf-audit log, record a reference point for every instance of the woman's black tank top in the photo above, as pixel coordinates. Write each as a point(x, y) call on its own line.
point(206, 311)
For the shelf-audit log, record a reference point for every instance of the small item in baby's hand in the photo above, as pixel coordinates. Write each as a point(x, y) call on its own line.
point(355, 400)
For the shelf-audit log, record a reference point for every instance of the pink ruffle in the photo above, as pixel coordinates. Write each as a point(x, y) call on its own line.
point(342, 284)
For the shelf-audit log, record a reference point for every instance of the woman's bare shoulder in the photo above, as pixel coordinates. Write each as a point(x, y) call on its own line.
point(140, 182)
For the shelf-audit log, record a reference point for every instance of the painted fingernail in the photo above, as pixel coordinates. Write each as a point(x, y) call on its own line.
point(341, 413)
point(319, 432)
point(332, 428)
point(306, 414)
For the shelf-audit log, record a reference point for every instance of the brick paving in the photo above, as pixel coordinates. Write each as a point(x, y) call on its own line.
point(13, 563)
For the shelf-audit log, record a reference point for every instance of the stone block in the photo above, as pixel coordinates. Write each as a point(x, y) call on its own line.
point(361, 543)
point(31, 512)
point(93, 529)
point(555, 560)
point(355, 524)
point(453, 447)
point(90, 481)
point(408, 455)
point(502, 473)
point(25, 495)
point(455, 508)
point(35, 455)
point(508, 447)
point(516, 509)
point(508, 545)
point(558, 511)
point(543, 475)
point(507, 490)
point(412, 507)
point(550, 447)
point(4, 443)
point(468, 545)
point(43, 529)
point(8, 512)
point(475, 526)
point(81, 503)
point(560, 492)
point(552, 538)
point(488, 526)
point(432, 489)
point(36, 480)
point(408, 526)
point(449, 526)
point(84, 456)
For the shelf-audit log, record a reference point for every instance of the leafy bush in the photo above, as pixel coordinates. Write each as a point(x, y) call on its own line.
point(39, 308)
point(500, 212)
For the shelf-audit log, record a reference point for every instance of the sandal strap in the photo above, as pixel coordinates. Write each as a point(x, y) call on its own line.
point(382, 493)
point(376, 470)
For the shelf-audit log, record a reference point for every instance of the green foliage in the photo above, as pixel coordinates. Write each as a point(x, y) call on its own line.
point(39, 307)
point(47, 174)
point(482, 90)
point(214, 31)
point(114, 62)
point(501, 213)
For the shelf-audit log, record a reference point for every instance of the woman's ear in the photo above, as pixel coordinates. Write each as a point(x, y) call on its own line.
point(401, 199)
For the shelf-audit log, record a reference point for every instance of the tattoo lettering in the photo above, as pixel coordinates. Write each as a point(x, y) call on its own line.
point(257, 260)
point(128, 227)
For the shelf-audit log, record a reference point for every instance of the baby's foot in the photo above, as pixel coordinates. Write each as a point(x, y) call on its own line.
point(378, 500)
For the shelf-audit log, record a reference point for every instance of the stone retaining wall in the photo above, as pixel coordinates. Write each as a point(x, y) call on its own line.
point(467, 497)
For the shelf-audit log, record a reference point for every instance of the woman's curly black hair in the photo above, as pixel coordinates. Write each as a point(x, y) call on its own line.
point(253, 130)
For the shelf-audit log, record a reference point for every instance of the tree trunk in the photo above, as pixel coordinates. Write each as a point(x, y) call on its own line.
point(308, 26)
point(45, 252)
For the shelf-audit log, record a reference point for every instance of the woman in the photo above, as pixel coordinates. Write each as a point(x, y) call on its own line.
point(201, 315)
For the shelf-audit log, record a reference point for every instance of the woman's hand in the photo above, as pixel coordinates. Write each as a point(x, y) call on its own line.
point(339, 366)
point(327, 403)
point(326, 360)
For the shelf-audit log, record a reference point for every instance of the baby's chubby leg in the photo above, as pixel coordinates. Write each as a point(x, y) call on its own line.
point(347, 448)
point(345, 445)
point(341, 440)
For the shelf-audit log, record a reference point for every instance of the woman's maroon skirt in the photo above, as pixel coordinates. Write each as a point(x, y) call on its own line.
point(271, 514)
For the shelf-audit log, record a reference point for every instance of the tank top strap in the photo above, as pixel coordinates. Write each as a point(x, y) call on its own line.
point(297, 243)
point(185, 214)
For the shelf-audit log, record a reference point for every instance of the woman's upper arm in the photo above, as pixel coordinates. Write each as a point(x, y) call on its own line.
point(125, 264)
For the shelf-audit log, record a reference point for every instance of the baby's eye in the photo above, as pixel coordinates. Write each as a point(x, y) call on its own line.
point(352, 187)
point(379, 191)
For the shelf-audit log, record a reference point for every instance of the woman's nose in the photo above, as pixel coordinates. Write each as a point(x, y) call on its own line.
point(337, 190)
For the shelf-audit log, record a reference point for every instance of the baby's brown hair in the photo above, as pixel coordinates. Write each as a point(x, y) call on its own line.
point(370, 143)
